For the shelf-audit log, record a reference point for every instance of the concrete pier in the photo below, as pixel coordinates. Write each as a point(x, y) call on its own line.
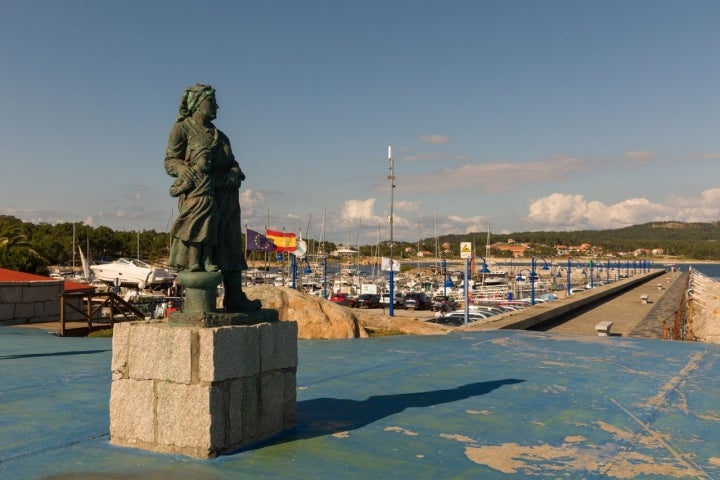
point(619, 302)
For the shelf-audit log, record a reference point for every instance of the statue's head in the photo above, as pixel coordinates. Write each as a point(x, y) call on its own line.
point(193, 97)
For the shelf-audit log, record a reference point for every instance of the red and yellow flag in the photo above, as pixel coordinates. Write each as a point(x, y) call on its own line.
point(284, 242)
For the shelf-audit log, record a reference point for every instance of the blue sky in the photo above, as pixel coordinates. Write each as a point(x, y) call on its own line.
point(520, 115)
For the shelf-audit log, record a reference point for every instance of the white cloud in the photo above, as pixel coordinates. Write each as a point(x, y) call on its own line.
point(703, 156)
point(640, 156)
point(492, 177)
point(429, 156)
point(359, 209)
point(434, 139)
point(573, 212)
point(249, 199)
point(456, 224)
point(406, 206)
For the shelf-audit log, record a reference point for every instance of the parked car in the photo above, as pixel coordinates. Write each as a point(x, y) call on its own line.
point(456, 319)
point(417, 301)
point(342, 299)
point(487, 309)
point(398, 298)
point(443, 303)
point(368, 300)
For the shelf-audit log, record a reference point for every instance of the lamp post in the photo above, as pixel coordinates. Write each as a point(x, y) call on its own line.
point(520, 278)
point(569, 269)
point(607, 271)
point(484, 268)
point(534, 277)
point(569, 284)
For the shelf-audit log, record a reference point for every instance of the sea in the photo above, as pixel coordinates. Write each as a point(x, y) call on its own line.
point(712, 270)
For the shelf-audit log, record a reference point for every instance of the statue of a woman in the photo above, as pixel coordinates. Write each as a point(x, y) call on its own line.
point(193, 135)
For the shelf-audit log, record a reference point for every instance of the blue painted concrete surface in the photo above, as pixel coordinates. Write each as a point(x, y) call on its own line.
point(489, 404)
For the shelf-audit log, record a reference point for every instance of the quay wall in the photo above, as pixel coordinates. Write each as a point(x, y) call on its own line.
point(542, 313)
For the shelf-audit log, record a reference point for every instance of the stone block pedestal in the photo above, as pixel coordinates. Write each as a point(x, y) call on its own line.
point(201, 391)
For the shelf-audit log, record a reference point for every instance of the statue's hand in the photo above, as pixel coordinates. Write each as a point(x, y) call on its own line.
point(181, 169)
point(231, 180)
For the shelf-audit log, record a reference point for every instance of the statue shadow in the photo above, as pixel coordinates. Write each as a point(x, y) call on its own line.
point(327, 416)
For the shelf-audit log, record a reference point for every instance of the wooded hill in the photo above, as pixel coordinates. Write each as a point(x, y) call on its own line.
point(697, 241)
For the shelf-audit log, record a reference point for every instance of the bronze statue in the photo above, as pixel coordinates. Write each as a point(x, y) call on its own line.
point(207, 234)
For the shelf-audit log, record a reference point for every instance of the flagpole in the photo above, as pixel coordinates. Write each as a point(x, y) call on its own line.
point(246, 244)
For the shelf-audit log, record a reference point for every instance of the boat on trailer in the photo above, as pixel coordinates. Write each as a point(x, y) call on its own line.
point(132, 272)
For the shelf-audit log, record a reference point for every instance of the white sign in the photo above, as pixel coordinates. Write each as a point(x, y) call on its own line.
point(465, 250)
point(385, 265)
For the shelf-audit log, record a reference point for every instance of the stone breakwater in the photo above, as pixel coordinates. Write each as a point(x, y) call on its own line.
point(699, 318)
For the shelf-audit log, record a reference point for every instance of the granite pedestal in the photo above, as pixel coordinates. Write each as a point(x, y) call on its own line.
point(203, 384)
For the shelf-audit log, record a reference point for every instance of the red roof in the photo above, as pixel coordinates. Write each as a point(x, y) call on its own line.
point(15, 276)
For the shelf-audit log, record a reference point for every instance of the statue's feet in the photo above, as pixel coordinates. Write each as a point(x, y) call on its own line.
point(209, 267)
point(240, 303)
point(195, 267)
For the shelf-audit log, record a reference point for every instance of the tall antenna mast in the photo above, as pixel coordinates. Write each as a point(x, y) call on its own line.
point(391, 177)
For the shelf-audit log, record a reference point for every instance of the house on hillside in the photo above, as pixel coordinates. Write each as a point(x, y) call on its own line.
point(518, 249)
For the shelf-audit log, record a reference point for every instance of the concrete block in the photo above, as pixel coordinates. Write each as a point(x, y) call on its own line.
point(24, 311)
point(41, 291)
point(278, 346)
point(7, 312)
point(160, 352)
point(132, 414)
point(603, 328)
point(120, 350)
point(272, 403)
point(188, 418)
point(290, 399)
point(242, 411)
point(228, 352)
point(10, 293)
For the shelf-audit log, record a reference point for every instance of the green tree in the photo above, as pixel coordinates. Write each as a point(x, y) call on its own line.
point(16, 252)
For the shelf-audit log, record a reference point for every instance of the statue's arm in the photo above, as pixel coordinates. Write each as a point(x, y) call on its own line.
point(234, 176)
point(175, 154)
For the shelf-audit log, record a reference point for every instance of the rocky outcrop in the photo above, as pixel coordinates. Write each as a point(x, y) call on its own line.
point(318, 318)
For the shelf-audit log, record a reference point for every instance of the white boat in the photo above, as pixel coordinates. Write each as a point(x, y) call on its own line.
point(132, 272)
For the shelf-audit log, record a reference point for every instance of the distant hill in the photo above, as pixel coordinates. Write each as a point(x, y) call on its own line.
point(690, 240)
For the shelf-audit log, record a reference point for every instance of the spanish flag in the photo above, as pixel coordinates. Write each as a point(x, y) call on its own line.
point(284, 242)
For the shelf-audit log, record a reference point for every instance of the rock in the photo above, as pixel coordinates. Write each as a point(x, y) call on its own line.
point(318, 318)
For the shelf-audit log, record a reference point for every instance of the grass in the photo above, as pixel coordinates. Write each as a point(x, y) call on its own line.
point(102, 333)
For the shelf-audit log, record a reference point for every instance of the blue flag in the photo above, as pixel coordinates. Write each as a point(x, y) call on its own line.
point(259, 242)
